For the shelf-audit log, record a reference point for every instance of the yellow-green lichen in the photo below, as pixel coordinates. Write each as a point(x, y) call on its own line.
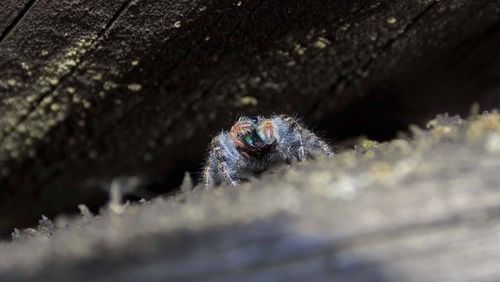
point(391, 20)
point(246, 101)
point(134, 87)
point(299, 49)
point(321, 43)
point(40, 105)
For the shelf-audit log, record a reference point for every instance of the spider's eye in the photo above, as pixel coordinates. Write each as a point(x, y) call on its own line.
point(249, 139)
point(254, 119)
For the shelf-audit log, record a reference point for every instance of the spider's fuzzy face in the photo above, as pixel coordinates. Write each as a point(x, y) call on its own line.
point(248, 134)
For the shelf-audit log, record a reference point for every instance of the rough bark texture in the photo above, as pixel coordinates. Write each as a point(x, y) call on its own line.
point(95, 89)
point(421, 209)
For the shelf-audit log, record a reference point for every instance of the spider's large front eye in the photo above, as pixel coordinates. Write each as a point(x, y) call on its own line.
point(253, 141)
point(249, 139)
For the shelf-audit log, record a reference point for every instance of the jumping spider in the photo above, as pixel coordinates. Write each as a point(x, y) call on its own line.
point(254, 144)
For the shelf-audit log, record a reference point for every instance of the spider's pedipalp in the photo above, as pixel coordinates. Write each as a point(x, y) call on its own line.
point(267, 131)
point(243, 126)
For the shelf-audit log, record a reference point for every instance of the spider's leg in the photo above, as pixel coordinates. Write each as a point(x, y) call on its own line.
point(297, 129)
point(227, 159)
point(309, 144)
point(211, 176)
point(225, 169)
point(218, 168)
point(315, 145)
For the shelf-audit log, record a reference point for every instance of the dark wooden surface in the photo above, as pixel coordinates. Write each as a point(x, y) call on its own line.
point(11, 11)
point(96, 89)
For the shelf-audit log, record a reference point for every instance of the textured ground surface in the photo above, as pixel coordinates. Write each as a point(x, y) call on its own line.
point(425, 208)
point(99, 88)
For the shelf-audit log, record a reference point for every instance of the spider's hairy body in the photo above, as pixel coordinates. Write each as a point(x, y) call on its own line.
point(257, 143)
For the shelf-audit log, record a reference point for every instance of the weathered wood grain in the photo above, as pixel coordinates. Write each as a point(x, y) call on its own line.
point(139, 87)
point(40, 51)
point(11, 12)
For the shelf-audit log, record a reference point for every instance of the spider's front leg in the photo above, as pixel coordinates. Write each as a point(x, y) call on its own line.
point(292, 139)
point(310, 144)
point(222, 164)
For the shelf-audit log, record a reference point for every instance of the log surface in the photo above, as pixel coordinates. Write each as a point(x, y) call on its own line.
point(424, 209)
point(96, 89)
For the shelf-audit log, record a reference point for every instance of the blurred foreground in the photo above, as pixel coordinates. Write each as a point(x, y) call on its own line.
point(418, 208)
